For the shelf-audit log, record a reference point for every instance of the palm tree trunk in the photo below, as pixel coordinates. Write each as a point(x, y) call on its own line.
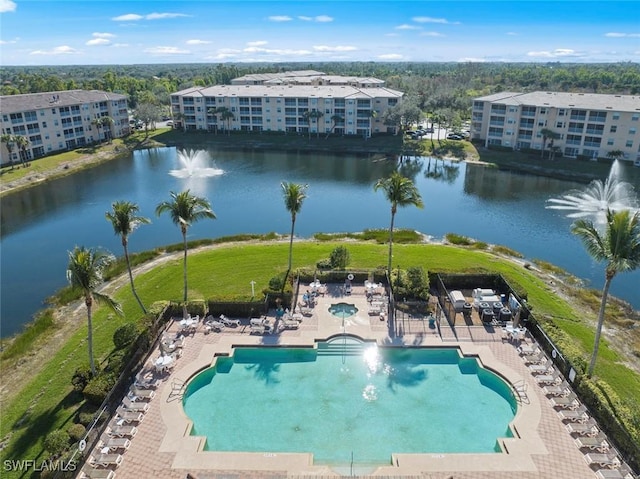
point(133, 288)
point(184, 272)
point(88, 302)
point(293, 223)
point(596, 344)
point(393, 214)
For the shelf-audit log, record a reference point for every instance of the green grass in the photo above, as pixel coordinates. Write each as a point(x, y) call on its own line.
point(47, 402)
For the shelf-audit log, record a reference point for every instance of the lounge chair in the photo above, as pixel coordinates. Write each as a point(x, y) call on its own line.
point(597, 443)
point(115, 443)
point(576, 415)
point(260, 329)
point(537, 358)
point(552, 377)
point(528, 349)
point(561, 389)
point(289, 324)
point(602, 459)
point(131, 405)
point(541, 368)
point(611, 474)
point(106, 460)
point(565, 402)
point(121, 431)
point(143, 382)
point(89, 473)
point(588, 428)
point(140, 394)
point(213, 325)
point(233, 323)
point(126, 417)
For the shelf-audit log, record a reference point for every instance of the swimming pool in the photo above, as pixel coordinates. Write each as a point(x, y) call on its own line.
point(349, 400)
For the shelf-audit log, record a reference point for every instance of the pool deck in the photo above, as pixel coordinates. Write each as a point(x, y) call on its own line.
point(163, 448)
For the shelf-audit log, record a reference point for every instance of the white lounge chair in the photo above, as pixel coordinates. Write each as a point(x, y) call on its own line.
point(540, 368)
point(89, 473)
point(588, 428)
point(126, 417)
point(561, 389)
point(213, 325)
point(576, 415)
point(233, 323)
point(597, 443)
point(565, 402)
point(115, 443)
point(603, 460)
point(537, 358)
point(612, 474)
point(552, 377)
point(260, 329)
point(106, 460)
point(131, 405)
point(140, 394)
point(121, 431)
point(289, 324)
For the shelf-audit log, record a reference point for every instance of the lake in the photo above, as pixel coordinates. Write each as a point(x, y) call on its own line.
point(40, 225)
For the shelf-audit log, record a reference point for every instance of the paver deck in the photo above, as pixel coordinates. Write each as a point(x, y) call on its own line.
point(163, 448)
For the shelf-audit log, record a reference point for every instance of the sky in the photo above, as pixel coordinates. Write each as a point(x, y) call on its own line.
point(94, 32)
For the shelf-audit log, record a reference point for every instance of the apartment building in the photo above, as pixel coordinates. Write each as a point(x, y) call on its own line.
point(585, 125)
point(62, 120)
point(295, 102)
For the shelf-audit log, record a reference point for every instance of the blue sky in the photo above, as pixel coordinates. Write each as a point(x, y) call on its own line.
point(52, 32)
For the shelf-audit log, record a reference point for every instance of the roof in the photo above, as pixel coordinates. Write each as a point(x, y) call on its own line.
point(290, 91)
point(593, 101)
point(271, 76)
point(53, 99)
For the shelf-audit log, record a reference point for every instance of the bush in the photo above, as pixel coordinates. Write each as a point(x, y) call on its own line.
point(340, 257)
point(56, 442)
point(125, 335)
point(76, 432)
point(80, 378)
point(457, 239)
point(277, 282)
point(324, 264)
point(98, 388)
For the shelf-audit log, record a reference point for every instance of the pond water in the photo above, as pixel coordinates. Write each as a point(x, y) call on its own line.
point(40, 225)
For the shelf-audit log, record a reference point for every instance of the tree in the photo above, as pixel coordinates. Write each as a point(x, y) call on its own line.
point(399, 191)
point(618, 244)
point(124, 220)
point(84, 273)
point(22, 142)
point(148, 114)
point(615, 154)
point(185, 209)
point(9, 141)
point(335, 119)
point(294, 195)
point(97, 122)
point(106, 122)
point(226, 115)
point(547, 134)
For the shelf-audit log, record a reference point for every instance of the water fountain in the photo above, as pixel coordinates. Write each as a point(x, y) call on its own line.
point(194, 165)
point(593, 201)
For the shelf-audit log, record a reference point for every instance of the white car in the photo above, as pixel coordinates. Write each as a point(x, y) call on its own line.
point(170, 123)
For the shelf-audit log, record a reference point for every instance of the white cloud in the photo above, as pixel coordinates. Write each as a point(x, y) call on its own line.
point(166, 51)
point(280, 18)
point(622, 35)
point(471, 60)
point(257, 43)
point(393, 34)
point(434, 20)
point(61, 50)
point(338, 48)
point(323, 18)
point(103, 35)
point(197, 42)
point(160, 16)
point(276, 52)
point(390, 56)
point(9, 42)
point(98, 41)
point(129, 17)
point(7, 6)
point(557, 53)
point(406, 26)
point(431, 34)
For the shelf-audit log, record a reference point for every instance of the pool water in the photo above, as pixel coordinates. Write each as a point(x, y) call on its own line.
point(343, 310)
point(349, 398)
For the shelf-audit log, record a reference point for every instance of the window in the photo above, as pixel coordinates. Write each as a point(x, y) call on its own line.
point(598, 116)
point(616, 116)
point(632, 131)
point(543, 111)
point(613, 129)
point(635, 117)
point(560, 124)
point(561, 112)
point(629, 143)
point(610, 141)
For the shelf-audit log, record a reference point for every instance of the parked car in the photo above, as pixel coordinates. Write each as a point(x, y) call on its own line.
point(454, 136)
point(170, 123)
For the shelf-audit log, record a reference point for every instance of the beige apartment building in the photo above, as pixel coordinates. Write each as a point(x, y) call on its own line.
point(62, 120)
point(293, 102)
point(587, 125)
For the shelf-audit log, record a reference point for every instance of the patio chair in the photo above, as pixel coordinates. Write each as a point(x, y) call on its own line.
point(140, 394)
point(603, 459)
point(612, 474)
point(233, 323)
point(89, 473)
point(126, 417)
point(565, 402)
point(561, 389)
point(213, 325)
point(121, 431)
point(594, 443)
point(552, 377)
point(536, 358)
point(541, 368)
point(289, 324)
point(575, 415)
point(130, 405)
point(106, 460)
point(116, 443)
point(588, 428)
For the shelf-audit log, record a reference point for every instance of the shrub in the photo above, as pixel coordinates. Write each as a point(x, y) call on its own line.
point(507, 251)
point(76, 432)
point(98, 388)
point(457, 239)
point(324, 264)
point(277, 282)
point(340, 257)
point(417, 283)
point(56, 442)
point(125, 335)
point(116, 362)
point(80, 378)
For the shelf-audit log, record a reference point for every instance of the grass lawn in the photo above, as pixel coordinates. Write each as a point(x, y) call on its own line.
point(47, 402)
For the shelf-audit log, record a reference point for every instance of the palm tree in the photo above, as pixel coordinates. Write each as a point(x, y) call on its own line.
point(226, 115)
point(618, 244)
point(615, 154)
point(22, 142)
point(84, 273)
point(97, 122)
point(400, 191)
point(294, 195)
point(9, 140)
point(106, 122)
point(335, 119)
point(312, 115)
point(185, 209)
point(547, 134)
point(124, 220)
